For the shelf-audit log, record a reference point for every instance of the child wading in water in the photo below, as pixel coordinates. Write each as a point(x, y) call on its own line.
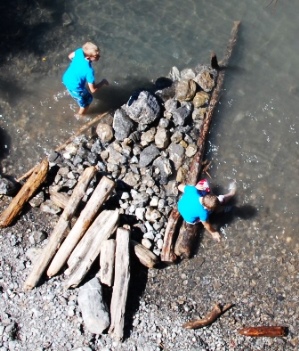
point(196, 204)
point(80, 72)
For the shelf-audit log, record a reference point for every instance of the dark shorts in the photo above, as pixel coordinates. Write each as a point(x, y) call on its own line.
point(83, 98)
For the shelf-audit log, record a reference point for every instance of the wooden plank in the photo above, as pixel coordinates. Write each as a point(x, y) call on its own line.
point(121, 284)
point(37, 177)
point(91, 209)
point(58, 233)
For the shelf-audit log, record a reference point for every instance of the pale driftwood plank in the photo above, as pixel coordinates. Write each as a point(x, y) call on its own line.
point(145, 256)
point(121, 284)
point(59, 231)
point(37, 177)
point(107, 262)
point(90, 246)
point(99, 196)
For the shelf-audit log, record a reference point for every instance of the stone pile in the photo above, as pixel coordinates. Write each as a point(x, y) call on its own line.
point(146, 147)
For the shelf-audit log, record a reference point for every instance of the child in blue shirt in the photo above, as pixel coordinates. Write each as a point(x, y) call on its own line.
point(79, 73)
point(196, 204)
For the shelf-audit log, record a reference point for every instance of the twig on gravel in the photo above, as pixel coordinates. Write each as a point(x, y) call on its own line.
point(216, 312)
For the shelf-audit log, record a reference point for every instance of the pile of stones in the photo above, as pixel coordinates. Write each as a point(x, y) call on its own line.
point(146, 147)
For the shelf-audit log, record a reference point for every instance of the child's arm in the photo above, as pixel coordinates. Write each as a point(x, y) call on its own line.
point(211, 230)
point(94, 87)
point(71, 55)
point(181, 187)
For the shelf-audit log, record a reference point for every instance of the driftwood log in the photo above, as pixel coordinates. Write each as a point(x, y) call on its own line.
point(58, 233)
point(264, 331)
point(184, 244)
point(216, 312)
point(145, 256)
point(80, 131)
point(121, 284)
point(107, 262)
point(37, 177)
point(91, 209)
point(186, 238)
point(90, 246)
point(167, 253)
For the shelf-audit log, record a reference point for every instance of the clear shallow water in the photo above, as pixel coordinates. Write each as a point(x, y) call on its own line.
point(254, 136)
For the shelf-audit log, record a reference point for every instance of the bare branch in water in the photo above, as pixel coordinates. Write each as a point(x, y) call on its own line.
point(272, 2)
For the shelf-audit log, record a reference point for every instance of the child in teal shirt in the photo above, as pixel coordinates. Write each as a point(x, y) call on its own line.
point(79, 73)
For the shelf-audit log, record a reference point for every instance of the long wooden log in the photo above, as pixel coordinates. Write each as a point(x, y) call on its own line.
point(167, 253)
point(69, 140)
point(90, 246)
point(58, 233)
point(107, 262)
point(91, 209)
point(186, 238)
point(216, 312)
point(145, 256)
point(37, 177)
point(121, 284)
point(183, 245)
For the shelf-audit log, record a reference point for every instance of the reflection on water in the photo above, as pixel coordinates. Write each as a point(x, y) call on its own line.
point(254, 137)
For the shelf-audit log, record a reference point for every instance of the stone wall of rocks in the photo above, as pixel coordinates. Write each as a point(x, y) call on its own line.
point(146, 147)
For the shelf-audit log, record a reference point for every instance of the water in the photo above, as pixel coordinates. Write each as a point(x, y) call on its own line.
point(254, 133)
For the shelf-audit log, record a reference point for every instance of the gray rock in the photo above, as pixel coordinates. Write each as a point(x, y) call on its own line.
point(122, 125)
point(104, 132)
point(182, 115)
point(147, 155)
point(94, 311)
point(162, 138)
point(176, 154)
point(144, 110)
point(185, 90)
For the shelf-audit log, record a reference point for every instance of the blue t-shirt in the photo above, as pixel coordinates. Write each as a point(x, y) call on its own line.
point(79, 72)
point(190, 207)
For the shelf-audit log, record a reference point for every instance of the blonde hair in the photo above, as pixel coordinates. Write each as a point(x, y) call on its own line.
point(90, 49)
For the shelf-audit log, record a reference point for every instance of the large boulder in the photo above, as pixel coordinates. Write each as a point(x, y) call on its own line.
point(144, 109)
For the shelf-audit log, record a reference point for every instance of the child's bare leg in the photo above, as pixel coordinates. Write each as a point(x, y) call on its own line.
point(83, 110)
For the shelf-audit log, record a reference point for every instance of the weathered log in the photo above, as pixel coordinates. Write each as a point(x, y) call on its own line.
point(90, 246)
point(195, 167)
point(264, 331)
point(216, 312)
point(37, 177)
point(145, 256)
point(107, 262)
point(58, 233)
point(167, 253)
point(99, 196)
point(59, 199)
point(121, 284)
point(62, 146)
point(186, 238)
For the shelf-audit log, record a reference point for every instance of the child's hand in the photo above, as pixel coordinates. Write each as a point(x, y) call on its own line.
point(216, 236)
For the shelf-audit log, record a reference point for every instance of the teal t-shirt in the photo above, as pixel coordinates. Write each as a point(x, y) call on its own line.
point(190, 207)
point(79, 72)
